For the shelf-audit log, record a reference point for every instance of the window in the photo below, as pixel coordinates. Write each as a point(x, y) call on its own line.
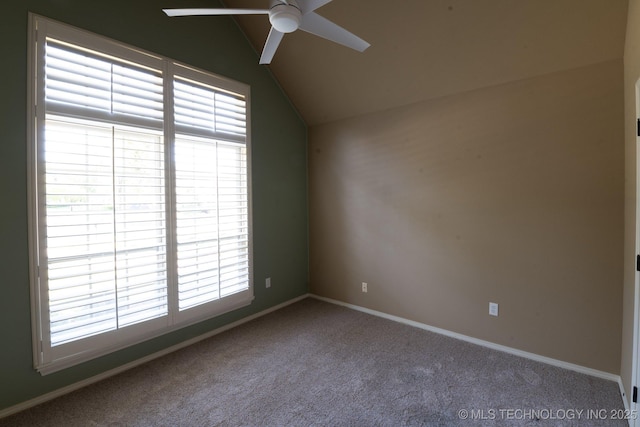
point(139, 195)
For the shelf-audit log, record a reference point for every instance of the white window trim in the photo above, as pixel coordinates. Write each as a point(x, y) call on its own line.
point(39, 25)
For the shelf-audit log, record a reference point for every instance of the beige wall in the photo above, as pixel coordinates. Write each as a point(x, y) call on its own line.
point(511, 194)
point(631, 76)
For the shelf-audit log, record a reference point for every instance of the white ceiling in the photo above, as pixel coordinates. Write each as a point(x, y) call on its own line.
point(424, 49)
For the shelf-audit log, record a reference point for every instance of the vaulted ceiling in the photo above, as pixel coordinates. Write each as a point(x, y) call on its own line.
point(425, 49)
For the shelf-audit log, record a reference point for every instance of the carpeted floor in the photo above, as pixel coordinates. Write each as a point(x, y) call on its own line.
point(317, 364)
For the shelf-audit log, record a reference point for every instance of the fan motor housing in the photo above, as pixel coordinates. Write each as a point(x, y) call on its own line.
point(285, 18)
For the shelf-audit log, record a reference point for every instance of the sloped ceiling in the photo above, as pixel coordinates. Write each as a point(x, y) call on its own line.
point(424, 49)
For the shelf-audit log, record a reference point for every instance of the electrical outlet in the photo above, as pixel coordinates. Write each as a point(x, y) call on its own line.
point(364, 287)
point(493, 309)
point(267, 282)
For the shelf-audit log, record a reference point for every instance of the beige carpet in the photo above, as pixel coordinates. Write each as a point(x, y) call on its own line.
point(317, 364)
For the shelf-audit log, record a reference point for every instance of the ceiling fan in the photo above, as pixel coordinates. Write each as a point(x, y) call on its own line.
point(286, 16)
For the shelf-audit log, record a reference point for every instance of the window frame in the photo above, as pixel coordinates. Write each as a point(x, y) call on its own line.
point(45, 359)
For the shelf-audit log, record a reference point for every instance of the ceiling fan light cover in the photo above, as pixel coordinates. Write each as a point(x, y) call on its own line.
point(285, 18)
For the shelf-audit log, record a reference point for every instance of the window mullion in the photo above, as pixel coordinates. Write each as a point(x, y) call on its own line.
point(114, 219)
point(170, 193)
point(217, 144)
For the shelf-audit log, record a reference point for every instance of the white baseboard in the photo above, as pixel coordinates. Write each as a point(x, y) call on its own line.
point(488, 344)
point(115, 371)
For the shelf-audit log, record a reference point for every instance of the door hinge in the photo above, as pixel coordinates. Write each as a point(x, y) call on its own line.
point(634, 399)
point(637, 262)
point(638, 127)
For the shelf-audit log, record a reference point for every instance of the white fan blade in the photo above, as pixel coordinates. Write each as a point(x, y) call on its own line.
point(322, 27)
point(308, 6)
point(270, 46)
point(206, 12)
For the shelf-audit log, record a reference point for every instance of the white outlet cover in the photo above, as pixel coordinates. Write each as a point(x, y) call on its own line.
point(493, 308)
point(267, 282)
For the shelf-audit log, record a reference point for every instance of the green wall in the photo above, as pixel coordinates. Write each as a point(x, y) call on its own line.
point(279, 181)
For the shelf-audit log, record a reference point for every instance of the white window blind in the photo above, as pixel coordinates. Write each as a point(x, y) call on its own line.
point(204, 111)
point(105, 228)
point(211, 194)
point(81, 83)
point(140, 217)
